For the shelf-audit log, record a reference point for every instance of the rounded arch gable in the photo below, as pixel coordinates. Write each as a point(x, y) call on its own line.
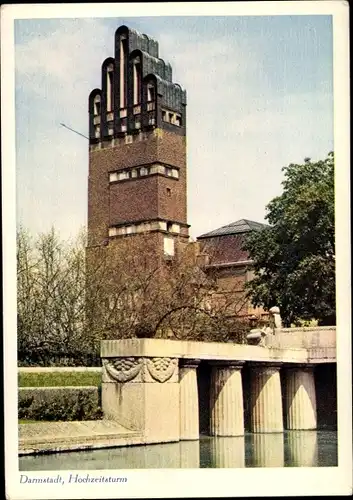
point(92, 99)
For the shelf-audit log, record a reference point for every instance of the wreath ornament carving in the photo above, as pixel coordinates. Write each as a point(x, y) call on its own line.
point(161, 369)
point(124, 369)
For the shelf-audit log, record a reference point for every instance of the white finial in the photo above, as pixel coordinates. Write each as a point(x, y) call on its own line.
point(275, 312)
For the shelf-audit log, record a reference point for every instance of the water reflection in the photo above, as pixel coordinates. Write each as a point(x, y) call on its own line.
point(291, 449)
point(268, 450)
point(228, 452)
point(189, 452)
point(303, 448)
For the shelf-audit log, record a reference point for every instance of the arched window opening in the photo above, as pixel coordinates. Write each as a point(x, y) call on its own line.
point(151, 96)
point(110, 74)
point(137, 80)
point(151, 92)
point(97, 105)
point(123, 52)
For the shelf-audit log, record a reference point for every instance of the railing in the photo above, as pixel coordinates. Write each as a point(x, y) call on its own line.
point(303, 338)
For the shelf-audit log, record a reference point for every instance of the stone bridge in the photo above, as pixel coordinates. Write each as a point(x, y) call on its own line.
point(153, 385)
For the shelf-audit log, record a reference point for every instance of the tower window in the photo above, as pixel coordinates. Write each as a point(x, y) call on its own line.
point(144, 171)
point(110, 88)
point(123, 53)
point(169, 192)
point(97, 105)
point(168, 247)
point(123, 175)
point(113, 177)
point(170, 117)
point(151, 95)
point(137, 81)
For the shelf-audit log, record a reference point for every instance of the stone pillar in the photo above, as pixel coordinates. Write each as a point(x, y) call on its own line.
point(266, 398)
point(189, 399)
point(268, 450)
point(303, 448)
point(226, 399)
point(300, 398)
point(228, 452)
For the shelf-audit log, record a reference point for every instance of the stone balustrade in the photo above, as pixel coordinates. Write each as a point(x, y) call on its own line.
point(151, 386)
point(311, 338)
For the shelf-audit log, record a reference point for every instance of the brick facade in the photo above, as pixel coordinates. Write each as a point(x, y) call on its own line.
point(230, 265)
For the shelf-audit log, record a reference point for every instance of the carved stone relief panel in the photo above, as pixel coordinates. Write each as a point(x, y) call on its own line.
point(138, 369)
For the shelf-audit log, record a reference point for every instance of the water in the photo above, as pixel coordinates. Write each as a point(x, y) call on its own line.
point(291, 449)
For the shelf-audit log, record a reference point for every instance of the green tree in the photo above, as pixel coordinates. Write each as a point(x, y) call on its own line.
point(294, 257)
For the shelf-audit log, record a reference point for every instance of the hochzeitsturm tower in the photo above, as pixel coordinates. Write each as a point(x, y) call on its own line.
point(137, 148)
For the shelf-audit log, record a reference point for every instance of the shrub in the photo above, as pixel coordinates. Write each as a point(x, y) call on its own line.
point(59, 403)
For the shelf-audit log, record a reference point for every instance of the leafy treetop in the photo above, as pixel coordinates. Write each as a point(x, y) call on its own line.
point(294, 257)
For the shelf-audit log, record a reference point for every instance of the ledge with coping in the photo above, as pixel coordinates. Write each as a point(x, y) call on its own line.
point(52, 437)
point(213, 351)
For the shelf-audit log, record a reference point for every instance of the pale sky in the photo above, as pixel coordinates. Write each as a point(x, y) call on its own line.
point(260, 96)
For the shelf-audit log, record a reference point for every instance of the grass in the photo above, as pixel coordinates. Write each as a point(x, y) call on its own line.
point(55, 379)
point(24, 421)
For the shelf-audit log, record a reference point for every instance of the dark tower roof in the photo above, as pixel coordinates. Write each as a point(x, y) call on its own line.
point(137, 91)
point(240, 226)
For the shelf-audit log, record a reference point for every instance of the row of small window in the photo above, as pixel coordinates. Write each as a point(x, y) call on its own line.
point(123, 175)
point(144, 227)
point(123, 127)
point(151, 106)
point(171, 117)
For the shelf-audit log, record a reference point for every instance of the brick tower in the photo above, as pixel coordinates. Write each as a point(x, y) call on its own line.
point(137, 149)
